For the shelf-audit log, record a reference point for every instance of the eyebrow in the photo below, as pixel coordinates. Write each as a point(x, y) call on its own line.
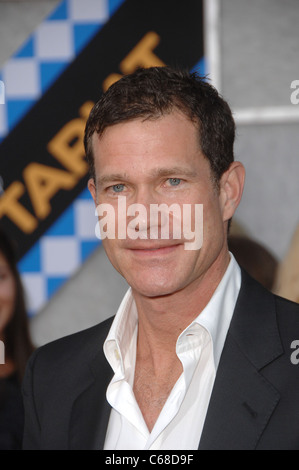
point(112, 177)
point(157, 172)
point(176, 170)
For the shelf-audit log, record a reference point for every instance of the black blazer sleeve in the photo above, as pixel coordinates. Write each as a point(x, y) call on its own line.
point(64, 392)
point(31, 439)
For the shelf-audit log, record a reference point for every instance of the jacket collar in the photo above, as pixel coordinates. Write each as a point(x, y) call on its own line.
point(242, 400)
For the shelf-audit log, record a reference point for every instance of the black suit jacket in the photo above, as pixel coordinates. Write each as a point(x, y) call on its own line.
point(254, 402)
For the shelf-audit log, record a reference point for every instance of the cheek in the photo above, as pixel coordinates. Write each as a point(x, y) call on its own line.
point(113, 252)
point(7, 290)
point(7, 301)
point(213, 225)
point(8, 294)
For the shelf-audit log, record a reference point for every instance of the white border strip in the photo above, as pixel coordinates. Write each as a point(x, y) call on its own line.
point(212, 41)
point(266, 115)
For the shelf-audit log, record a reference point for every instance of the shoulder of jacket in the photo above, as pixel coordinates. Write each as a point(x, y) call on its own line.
point(82, 344)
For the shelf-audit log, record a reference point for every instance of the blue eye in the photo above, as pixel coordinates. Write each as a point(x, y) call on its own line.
point(174, 181)
point(118, 188)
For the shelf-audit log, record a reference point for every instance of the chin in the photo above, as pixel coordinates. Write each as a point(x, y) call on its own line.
point(153, 290)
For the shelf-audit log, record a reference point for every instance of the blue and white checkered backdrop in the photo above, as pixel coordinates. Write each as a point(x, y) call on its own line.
point(27, 75)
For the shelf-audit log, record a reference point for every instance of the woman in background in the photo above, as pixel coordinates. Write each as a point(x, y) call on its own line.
point(14, 335)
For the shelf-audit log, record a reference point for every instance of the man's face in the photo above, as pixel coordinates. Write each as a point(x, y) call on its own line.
point(154, 162)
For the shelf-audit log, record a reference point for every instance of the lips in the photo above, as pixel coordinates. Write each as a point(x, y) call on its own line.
point(149, 250)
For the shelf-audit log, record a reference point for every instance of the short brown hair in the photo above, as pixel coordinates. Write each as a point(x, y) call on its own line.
point(153, 92)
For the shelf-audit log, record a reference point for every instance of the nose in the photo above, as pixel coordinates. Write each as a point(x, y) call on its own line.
point(141, 224)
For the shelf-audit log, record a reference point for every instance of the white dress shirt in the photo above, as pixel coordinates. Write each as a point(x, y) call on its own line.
point(199, 347)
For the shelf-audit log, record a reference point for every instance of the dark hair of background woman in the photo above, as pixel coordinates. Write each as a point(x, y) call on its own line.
point(18, 345)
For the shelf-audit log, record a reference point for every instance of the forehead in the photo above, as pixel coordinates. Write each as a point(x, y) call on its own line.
point(170, 138)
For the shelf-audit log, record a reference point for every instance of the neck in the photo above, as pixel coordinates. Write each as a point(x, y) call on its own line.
point(162, 319)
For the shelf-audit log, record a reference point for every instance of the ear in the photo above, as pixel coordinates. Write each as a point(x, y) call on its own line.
point(231, 189)
point(92, 189)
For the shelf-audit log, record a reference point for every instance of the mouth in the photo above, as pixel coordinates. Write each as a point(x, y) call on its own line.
point(156, 250)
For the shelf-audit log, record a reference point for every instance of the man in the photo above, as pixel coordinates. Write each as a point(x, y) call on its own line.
point(198, 354)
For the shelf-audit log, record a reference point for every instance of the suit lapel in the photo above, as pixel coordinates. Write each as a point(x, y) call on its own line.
point(91, 411)
point(242, 400)
point(241, 404)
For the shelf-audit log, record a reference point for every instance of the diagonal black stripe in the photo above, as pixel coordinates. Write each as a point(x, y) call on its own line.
point(180, 28)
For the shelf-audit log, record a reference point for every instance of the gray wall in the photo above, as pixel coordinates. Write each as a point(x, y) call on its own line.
point(18, 19)
point(259, 60)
